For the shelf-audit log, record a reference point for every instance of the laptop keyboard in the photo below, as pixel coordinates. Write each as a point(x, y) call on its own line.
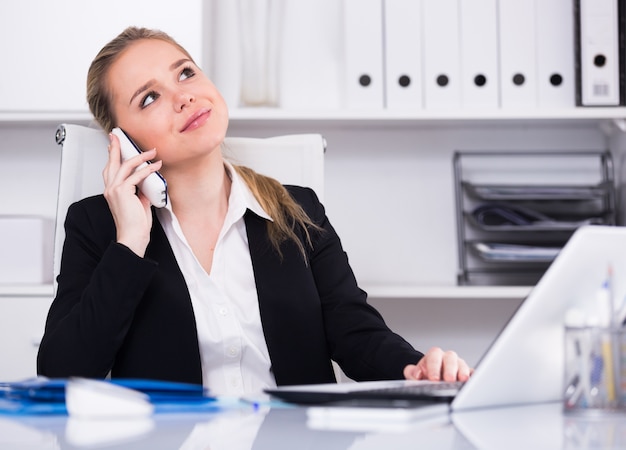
point(435, 389)
point(394, 393)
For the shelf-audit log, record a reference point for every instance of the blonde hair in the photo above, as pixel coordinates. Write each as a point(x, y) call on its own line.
point(99, 96)
point(287, 215)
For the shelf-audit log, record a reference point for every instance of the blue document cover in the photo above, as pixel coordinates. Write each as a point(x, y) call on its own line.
point(47, 396)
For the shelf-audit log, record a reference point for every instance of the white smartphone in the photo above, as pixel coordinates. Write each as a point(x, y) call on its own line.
point(154, 186)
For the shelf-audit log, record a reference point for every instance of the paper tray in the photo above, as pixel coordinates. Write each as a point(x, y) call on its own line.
point(515, 252)
point(516, 192)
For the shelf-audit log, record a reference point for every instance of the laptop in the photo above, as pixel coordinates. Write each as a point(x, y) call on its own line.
point(524, 364)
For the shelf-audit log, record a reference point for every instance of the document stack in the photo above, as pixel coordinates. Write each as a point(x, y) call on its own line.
point(484, 54)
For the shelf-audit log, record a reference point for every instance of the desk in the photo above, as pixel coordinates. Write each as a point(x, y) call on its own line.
point(525, 427)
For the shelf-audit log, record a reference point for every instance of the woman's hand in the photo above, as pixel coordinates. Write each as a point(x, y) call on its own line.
point(130, 208)
point(438, 365)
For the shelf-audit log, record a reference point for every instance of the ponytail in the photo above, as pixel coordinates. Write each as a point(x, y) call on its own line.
point(287, 215)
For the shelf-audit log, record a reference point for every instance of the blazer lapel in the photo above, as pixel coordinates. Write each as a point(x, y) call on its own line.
point(290, 308)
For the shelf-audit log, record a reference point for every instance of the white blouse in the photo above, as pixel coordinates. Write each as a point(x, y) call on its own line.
point(233, 351)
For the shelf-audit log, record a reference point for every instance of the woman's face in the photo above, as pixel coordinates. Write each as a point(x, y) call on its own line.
point(164, 101)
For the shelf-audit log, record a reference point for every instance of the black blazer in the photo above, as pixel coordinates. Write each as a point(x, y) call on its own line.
point(115, 311)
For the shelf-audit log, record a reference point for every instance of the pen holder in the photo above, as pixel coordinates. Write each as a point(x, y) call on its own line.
point(594, 370)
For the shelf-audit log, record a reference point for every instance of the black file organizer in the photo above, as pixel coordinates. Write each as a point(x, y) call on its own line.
point(570, 188)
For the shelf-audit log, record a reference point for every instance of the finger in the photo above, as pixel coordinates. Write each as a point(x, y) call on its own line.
point(121, 172)
point(113, 161)
point(450, 367)
point(114, 149)
point(412, 372)
point(140, 159)
point(433, 362)
point(465, 371)
point(115, 153)
point(141, 174)
point(120, 185)
point(145, 202)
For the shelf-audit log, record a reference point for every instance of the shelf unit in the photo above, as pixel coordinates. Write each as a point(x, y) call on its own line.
point(25, 290)
point(339, 126)
point(374, 291)
point(608, 117)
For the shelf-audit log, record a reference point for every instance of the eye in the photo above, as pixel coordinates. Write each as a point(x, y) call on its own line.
point(148, 99)
point(186, 73)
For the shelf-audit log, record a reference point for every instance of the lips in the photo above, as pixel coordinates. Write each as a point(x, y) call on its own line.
point(196, 120)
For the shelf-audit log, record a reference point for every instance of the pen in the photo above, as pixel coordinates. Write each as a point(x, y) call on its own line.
point(614, 309)
point(608, 319)
point(621, 313)
point(573, 391)
point(584, 348)
point(578, 390)
point(604, 304)
point(607, 357)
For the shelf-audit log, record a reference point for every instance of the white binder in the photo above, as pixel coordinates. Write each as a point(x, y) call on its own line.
point(556, 85)
point(442, 84)
point(598, 53)
point(518, 81)
point(363, 30)
point(479, 54)
point(403, 54)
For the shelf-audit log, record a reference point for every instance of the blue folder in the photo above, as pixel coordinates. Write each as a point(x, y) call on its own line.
point(47, 396)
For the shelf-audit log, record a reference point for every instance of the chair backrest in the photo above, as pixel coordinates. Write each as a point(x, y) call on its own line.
point(291, 159)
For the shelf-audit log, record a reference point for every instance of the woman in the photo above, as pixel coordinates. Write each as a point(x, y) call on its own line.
point(239, 283)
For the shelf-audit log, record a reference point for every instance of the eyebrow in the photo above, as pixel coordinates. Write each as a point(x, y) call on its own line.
point(180, 62)
point(143, 88)
point(175, 65)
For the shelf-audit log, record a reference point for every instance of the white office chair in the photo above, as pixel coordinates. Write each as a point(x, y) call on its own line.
point(291, 159)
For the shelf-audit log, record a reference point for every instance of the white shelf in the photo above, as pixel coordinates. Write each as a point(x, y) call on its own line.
point(44, 118)
point(607, 118)
point(374, 291)
point(568, 114)
point(26, 290)
point(447, 292)
point(616, 115)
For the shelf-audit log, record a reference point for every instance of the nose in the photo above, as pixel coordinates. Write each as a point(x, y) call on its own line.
point(183, 100)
